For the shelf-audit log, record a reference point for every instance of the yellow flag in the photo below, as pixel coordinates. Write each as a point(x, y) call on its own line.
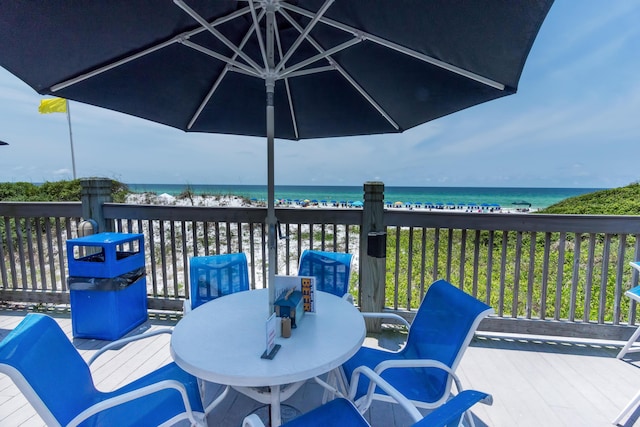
point(53, 105)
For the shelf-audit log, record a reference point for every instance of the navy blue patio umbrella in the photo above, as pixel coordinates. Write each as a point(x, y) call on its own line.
point(328, 68)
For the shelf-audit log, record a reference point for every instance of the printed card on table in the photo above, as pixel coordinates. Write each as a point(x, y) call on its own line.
point(305, 284)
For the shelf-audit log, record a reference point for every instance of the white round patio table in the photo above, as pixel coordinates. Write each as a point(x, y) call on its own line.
point(222, 341)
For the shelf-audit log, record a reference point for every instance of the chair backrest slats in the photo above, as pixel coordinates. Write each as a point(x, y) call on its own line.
point(217, 275)
point(332, 270)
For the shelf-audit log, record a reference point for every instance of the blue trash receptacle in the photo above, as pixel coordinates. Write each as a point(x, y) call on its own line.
point(107, 284)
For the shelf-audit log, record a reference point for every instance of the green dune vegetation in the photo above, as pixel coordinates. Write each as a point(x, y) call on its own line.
point(615, 201)
point(53, 191)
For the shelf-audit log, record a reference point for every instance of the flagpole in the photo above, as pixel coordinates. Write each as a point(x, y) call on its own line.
point(73, 157)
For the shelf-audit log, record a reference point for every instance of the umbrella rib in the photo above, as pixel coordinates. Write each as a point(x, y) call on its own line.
point(222, 58)
point(383, 42)
point(320, 56)
point(220, 78)
point(181, 4)
point(307, 71)
point(176, 39)
point(335, 65)
point(207, 98)
point(303, 35)
point(287, 87)
point(256, 28)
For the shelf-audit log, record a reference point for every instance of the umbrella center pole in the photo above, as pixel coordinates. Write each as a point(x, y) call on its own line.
point(271, 219)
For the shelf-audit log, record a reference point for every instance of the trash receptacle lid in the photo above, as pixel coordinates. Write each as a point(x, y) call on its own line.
point(107, 237)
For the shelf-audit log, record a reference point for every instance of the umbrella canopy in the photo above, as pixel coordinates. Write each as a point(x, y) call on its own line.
point(225, 66)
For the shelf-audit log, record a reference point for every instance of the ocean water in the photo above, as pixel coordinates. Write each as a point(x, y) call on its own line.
point(506, 197)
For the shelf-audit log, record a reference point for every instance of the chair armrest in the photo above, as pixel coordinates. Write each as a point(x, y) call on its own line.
point(348, 297)
point(418, 363)
point(127, 340)
point(186, 306)
point(393, 316)
point(454, 409)
point(252, 421)
point(376, 380)
point(136, 394)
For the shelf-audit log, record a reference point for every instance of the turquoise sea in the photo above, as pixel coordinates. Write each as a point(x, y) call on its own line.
point(504, 196)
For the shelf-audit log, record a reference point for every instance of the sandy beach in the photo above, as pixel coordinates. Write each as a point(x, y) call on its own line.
point(239, 201)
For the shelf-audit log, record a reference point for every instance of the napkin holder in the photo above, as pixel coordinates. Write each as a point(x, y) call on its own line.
point(290, 304)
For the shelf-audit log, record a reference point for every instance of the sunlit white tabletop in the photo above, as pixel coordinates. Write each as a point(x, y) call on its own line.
point(222, 341)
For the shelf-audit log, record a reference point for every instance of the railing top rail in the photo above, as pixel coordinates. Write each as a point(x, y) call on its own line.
point(529, 222)
point(40, 209)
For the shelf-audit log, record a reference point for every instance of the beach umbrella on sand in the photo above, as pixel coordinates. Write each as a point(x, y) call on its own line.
point(273, 68)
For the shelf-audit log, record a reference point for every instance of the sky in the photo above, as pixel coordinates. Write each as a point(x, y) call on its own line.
point(575, 122)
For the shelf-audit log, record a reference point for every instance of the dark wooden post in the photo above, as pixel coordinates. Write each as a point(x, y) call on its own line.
point(95, 192)
point(372, 260)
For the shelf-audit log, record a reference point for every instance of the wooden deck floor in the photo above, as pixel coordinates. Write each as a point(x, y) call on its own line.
point(534, 382)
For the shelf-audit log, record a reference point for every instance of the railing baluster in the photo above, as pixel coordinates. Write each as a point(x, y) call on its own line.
point(503, 269)
point(185, 256)
point(531, 273)
point(396, 272)
point(620, 266)
point(252, 261)
point(545, 276)
point(449, 253)
point(423, 262)
point(50, 254)
point(61, 255)
point(436, 254)
point(152, 254)
point(3, 265)
point(31, 260)
point(575, 276)
point(174, 258)
point(606, 252)
point(476, 262)
point(463, 257)
point(21, 258)
point(560, 276)
point(489, 265)
point(409, 269)
point(163, 257)
point(516, 276)
point(588, 280)
point(40, 249)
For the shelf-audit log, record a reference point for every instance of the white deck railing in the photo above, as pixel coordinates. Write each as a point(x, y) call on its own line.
point(556, 274)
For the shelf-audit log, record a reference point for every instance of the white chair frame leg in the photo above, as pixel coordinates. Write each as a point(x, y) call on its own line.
point(631, 405)
point(629, 346)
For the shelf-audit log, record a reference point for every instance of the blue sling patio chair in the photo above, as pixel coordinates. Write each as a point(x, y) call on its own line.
point(424, 369)
point(343, 412)
point(215, 276)
point(332, 270)
point(56, 380)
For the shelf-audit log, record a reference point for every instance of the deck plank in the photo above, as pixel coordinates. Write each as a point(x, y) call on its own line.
point(533, 382)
